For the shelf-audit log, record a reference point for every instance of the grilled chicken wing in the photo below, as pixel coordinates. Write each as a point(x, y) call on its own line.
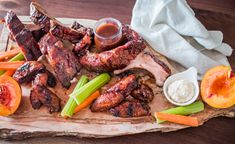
point(28, 71)
point(115, 94)
point(41, 95)
point(143, 93)
point(132, 108)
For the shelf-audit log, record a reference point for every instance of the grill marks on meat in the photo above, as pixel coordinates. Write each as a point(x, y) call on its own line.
point(28, 71)
point(117, 58)
point(31, 69)
point(115, 94)
point(133, 108)
point(66, 33)
point(143, 93)
point(23, 37)
point(63, 61)
point(41, 95)
point(39, 16)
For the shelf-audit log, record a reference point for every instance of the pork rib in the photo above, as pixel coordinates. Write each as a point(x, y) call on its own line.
point(63, 61)
point(23, 37)
point(39, 16)
point(115, 94)
point(151, 63)
point(117, 58)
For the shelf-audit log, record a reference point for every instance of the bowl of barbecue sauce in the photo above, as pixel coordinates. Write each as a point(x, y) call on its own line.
point(108, 34)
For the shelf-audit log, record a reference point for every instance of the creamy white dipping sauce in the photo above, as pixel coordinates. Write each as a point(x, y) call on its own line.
point(181, 91)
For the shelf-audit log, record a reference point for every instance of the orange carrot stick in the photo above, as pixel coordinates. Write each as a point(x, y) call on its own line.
point(9, 72)
point(9, 54)
point(87, 102)
point(10, 65)
point(185, 120)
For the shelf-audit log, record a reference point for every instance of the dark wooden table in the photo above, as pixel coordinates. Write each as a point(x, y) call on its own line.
point(214, 14)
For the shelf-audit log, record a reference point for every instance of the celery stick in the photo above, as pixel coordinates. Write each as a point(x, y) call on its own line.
point(81, 94)
point(18, 57)
point(71, 104)
point(184, 110)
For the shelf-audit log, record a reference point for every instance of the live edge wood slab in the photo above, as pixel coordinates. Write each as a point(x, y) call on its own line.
point(214, 14)
point(27, 122)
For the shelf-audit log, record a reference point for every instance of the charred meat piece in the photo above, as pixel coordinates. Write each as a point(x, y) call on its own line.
point(132, 108)
point(23, 37)
point(41, 95)
point(46, 78)
point(117, 58)
point(115, 94)
point(66, 33)
point(63, 61)
point(39, 16)
point(28, 71)
point(36, 30)
point(143, 93)
point(151, 63)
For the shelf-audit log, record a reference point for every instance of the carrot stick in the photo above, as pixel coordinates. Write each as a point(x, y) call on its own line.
point(9, 72)
point(185, 120)
point(9, 54)
point(10, 65)
point(87, 102)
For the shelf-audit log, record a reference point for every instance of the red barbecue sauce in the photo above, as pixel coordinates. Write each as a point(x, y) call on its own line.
point(108, 36)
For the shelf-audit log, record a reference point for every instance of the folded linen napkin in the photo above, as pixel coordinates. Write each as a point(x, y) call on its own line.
point(171, 28)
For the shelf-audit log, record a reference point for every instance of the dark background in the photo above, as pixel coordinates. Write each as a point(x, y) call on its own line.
point(214, 14)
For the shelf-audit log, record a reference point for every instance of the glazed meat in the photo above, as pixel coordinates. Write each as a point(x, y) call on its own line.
point(36, 31)
point(115, 94)
point(132, 108)
point(39, 16)
point(28, 71)
point(23, 37)
point(149, 62)
point(66, 33)
point(117, 58)
point(63, 61)
point(46, 78)
point(41, 95)
point(143, 93)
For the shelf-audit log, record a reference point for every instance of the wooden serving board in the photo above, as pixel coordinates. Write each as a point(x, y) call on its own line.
point(27, 122)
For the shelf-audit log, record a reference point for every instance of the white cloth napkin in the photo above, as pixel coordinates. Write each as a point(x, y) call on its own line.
point(171, 28)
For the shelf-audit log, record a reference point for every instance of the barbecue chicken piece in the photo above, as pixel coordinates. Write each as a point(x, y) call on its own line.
point(143, 93)
point(23, 37)
point(115, 94)
point(28, 71)
point(41, 95)
point(133, 108)
point(63, 61)
point(151, 63)
point(116, 58)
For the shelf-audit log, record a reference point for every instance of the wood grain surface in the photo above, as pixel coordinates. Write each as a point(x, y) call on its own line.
point(214, 14)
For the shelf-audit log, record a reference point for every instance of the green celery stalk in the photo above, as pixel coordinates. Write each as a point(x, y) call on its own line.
point(71, 104)
point(184, 110)
point(89, 88)
point(81, 94)
point(18, 57)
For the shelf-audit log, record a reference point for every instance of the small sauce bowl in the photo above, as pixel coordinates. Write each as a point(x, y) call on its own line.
point(189, 75)
point(108, 33)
